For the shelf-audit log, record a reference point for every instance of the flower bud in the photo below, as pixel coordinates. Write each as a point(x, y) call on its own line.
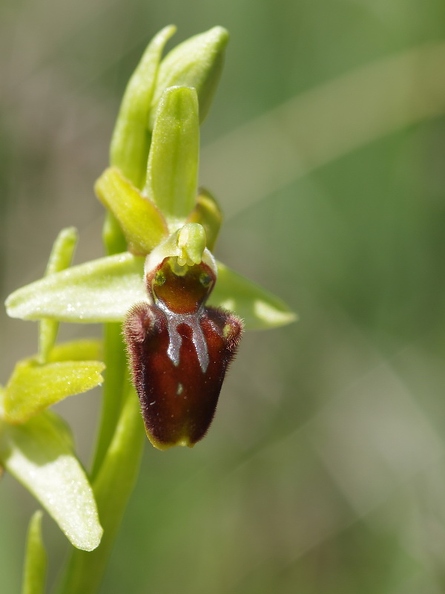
point(172, 171)
point(197, 62)
point(131, 137)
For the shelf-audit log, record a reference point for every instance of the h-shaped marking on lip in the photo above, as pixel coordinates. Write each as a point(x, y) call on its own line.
point(175, 339)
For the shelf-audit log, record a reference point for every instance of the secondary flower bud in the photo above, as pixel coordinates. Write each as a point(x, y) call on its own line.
point(197, 63)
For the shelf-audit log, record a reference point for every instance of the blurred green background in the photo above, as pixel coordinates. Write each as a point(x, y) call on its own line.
point(324, 469)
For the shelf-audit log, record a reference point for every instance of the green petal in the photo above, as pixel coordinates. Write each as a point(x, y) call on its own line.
point(131, 137)
point(197, 62)
point(33, 387)
point(143, 225)
point(34, 574)
point(208, 213)
point(172, 173)
point(38, 455)
point(99, 291)
point(61, 256)
point(258, 308)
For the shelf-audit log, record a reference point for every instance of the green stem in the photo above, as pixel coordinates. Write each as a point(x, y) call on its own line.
point(118, 451)
point(112, 488)
point(115, 361)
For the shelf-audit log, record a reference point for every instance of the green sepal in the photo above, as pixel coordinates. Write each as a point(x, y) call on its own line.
point(99, 291)
point(131, 138)
point(39, 455)
point(258, 308)
point(208, 214)
point(141, 221)
point(33, 387)
point(197, 62)
point(104, 290)
point(60, 258)
point(34, 571)
point(172, 171)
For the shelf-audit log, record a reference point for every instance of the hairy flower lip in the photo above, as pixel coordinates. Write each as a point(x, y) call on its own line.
point(178, 365)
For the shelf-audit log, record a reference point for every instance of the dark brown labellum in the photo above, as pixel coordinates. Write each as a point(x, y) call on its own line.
point(179, 351)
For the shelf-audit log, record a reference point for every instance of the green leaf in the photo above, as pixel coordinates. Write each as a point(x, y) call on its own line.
point(197, 62)
point(34, 574)
point(143, 225)
point(99, 291)
point(60, 259)
point(208, 214)
point(131, 137)
point(38, 454)
point(258, 308)
point(34, 387)
point(172, 173)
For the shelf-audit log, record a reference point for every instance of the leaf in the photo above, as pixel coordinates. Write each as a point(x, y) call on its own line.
point(258, 308)
point(38, 454)
point(34, 574)
point(34, 387)
point(143, 225)
point(172, 170)
point(99, 291)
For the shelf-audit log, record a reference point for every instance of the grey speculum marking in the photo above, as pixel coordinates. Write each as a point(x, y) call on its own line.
point(174, 320)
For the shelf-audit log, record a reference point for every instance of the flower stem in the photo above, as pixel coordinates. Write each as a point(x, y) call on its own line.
point(117, 457)
point(115, 361)
point(112, 488)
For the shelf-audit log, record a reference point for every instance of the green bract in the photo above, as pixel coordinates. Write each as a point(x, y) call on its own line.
point(33, 387)
point(35, 568)
point(39, 454)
